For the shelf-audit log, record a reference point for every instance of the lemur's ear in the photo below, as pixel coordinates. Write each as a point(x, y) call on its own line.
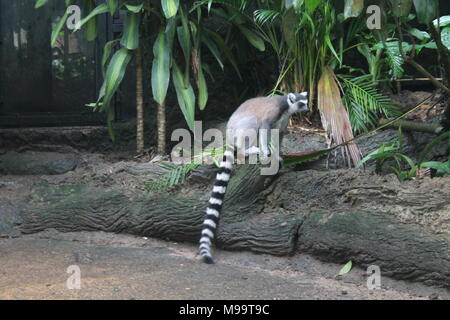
point(291, 98)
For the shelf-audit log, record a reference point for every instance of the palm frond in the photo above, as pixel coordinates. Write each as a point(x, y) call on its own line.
point(365, 104)
point(335, 118)
point(394, 57)
point(171, 176)
point(264, 16)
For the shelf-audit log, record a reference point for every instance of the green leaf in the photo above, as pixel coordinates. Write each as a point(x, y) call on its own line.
point(353, 8)
point(134, 8)
point(58, 28)
point(202, 89)
point(442, 21)
point(432, 145)
point(426, 10)
point(421, 35)
point(184, 38)
point(170, 7)
point(311, 5)
point(115, 73)
point(346, 269)
point(254, 40)
point(130, 37)
point(441, 167)
point(106, 53)
point(114, 76)
point(445, 37)
point(91, 24)
point(99, 10)
point(226, 50)
point(186, 97)
point(160, 68)
point(112, 6)
point(40, 3)
point(213, 49)
point(401, 8)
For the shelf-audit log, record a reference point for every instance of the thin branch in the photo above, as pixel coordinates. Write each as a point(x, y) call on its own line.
point(416, 65)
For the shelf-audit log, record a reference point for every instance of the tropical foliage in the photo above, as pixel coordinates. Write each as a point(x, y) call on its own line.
point(404, 167)
point(311, 40)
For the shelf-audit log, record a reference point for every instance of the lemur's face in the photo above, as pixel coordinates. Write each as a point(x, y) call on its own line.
point(298, 102)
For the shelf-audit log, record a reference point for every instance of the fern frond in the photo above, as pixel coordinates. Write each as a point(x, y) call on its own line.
point(264, 16)
point(365, 104)
point(172, 176)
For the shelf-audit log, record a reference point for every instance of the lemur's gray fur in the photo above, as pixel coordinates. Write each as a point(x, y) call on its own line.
point(253, 115)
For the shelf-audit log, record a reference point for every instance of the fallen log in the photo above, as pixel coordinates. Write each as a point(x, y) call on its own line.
point(338, 216)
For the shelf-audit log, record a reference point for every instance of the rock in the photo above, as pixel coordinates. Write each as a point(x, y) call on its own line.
point(32, 163)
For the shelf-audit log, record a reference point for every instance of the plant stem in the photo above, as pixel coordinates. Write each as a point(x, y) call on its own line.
point(417, 66)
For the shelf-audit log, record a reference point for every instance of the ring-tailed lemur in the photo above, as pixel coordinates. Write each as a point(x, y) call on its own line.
point(255, 114)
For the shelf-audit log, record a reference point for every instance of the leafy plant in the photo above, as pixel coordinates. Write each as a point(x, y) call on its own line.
point(176, 34)
point(405, 168)
point(175, 174)
point(365, 104)
point(304, 36)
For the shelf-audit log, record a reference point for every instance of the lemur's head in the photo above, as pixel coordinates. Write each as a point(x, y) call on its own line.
point(298, 102)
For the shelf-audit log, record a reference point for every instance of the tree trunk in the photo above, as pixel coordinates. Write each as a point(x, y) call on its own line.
point(161, 129)
point(139, 103)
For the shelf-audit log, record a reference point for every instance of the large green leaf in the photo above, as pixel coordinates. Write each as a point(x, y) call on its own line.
point(106, 53)
point(57, 29)
point(114, 74)
point(170, 31)
point(202, 89)
point(426, 10)
point(186, 97)
point(184, 38)
point(130, 37)
point(91, 24)
point(170, 7)
point(353, 8)
point(160, 68)
point(445, 37)
point(442, 22)
point(98, 10)
point(254, 40)
point(401, 8)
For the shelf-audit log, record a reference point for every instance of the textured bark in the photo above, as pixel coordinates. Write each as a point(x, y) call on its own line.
point(139, 103)
point(338, 216)
point(161, 129)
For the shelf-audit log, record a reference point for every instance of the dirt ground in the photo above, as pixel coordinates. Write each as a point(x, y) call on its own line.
point(126, 267)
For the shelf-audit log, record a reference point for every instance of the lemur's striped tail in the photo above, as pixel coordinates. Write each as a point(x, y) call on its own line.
point(215, 205)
